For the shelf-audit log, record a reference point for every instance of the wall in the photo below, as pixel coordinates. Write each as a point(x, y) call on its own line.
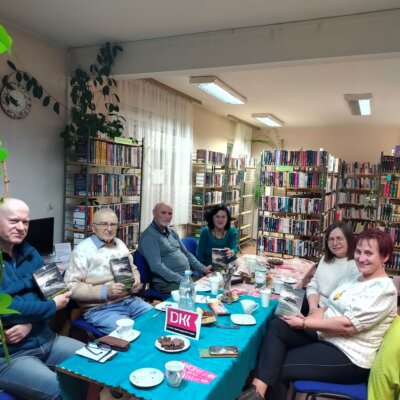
point(35, 162)
point(347, 143)
point(211, 131)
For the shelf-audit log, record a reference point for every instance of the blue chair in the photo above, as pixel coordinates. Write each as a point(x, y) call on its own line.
point(191, 244)
point(7, 396)
point(313, 389)
point(146, 278)
point(83, 331)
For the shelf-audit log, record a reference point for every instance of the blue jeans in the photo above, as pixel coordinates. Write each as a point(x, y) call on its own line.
point(31, 373)
point(105, 317)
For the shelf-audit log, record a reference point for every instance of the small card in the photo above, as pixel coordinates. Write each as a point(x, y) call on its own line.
point(196, 374)
point(223, 351)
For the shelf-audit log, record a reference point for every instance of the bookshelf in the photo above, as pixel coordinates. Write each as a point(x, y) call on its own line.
point(297, 201)
point(208, 185)
point(103, 173)
point(356, 198)
point(388, 207)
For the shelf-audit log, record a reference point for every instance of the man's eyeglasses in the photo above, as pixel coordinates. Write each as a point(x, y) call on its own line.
point(105, 225)
point(98, 348)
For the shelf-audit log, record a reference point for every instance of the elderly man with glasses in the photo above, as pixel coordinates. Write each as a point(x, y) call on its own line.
point(92, 283)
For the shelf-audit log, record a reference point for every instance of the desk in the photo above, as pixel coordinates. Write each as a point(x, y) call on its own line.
point(232, 372)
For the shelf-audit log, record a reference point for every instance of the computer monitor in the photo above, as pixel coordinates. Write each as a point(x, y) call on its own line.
point(40, 235)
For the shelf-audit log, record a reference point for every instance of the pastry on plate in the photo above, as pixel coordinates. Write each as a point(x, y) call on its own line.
point(207, 317)
point(229, 297)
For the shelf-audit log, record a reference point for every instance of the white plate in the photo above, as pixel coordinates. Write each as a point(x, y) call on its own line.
point(289, 279)
point(202, 288)
point(165, 304)
point(243, 319)
point(133, 335)
point(146, 377)
point(186, 344)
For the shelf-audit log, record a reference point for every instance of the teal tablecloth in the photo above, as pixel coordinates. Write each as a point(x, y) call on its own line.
point(232, 372)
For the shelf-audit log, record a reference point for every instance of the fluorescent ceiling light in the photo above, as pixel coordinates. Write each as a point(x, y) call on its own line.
point(214, 86)
point(268, 119)
point(360, 104)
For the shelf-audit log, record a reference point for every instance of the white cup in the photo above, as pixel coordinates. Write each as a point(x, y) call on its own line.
point(278, 285)
point(249, 306)
point(175, 296)
point(214, 283)
point(174, 372)
point(265, 295)
point(124, 327)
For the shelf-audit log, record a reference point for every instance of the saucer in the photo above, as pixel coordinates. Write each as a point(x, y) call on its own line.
point(243, 319)
point(289, 279)
point(165, 304)
point(186, 344)
point(146, 377)
point(133, 334)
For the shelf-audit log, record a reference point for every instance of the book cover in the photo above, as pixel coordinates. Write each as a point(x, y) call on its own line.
point(122, 271)
point(218, 259)
point(290, 301)
point(49, 281)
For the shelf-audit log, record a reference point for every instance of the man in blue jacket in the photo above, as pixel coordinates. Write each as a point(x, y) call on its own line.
point(33, 347)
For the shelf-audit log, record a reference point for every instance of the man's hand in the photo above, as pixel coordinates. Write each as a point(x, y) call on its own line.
point(135, 287)
point(17, 333)
point(207, 269)
point(116, 290)
point(62, 300)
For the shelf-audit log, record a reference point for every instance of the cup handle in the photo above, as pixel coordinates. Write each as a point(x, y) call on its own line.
point(255, 307)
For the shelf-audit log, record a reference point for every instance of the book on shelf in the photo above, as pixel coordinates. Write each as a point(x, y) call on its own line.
point(122, 271)
point(290, 301)
point(49, 281)
point(218, 259)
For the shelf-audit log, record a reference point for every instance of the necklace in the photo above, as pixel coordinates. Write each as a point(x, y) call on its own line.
point(214, 232)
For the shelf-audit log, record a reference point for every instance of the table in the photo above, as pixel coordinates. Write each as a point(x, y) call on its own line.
point(75, 372)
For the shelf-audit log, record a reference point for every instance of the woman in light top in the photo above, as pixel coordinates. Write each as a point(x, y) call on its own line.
point(336, 344)
point(217, 234)
point(336, 264)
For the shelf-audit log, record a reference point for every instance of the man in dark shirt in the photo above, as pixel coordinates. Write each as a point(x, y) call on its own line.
point(166, 255)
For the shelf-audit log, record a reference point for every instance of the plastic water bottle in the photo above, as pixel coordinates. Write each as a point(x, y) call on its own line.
point(186, 292)
point(261, 270)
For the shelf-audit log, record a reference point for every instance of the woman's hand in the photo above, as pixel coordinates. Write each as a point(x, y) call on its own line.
point(229, 252)
point(294, 321)
point(62, 300)
point(17, 333)
point(207, 269)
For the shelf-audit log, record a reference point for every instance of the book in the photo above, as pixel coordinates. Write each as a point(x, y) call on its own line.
point(290, 301)
point(218, 308)
point(218, 259)
point(49, 281)
point(122, 271)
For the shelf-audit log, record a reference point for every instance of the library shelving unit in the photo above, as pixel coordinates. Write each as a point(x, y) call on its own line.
point(246, 204)
point(356, 203)
point(103, 173)
point(208, 183)
point(232, 187)
point(296, 205)
point(388, 212)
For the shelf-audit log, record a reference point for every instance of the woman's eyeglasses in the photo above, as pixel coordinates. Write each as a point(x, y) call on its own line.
point(337, 239)
point(98, 348)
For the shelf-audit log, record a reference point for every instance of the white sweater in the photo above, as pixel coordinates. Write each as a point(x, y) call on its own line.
point(328, 277)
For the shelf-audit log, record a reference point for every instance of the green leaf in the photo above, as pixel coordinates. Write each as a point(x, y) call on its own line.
point(46, 101)
point(18, 76)
point(5, 40)
point(26, 76)
point(5, 80)
point(100, 59)
point(106, 90)
point(3, 154)
point(5, 301)
point(56, 107)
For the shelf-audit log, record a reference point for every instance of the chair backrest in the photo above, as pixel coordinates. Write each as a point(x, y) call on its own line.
point(143, 267)
point(384, 379)
point(191, 244)
point(6, 396)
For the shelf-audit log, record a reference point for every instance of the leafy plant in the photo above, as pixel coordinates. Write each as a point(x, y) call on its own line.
point(87, 88)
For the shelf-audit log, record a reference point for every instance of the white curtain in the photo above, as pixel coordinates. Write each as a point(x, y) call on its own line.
point(165, 122)
point(242, 140)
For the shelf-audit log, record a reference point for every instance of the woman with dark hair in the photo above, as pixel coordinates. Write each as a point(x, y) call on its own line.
point(336, 264)
point(217, 234)
point(336, 344)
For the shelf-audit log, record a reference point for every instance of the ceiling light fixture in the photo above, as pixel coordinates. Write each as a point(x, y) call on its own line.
point(268, 119)
point(214, 86)
point(360, 104)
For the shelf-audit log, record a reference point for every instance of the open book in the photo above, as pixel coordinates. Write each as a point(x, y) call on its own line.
point(290, 301)
point(49, 281)
point(122, 271)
